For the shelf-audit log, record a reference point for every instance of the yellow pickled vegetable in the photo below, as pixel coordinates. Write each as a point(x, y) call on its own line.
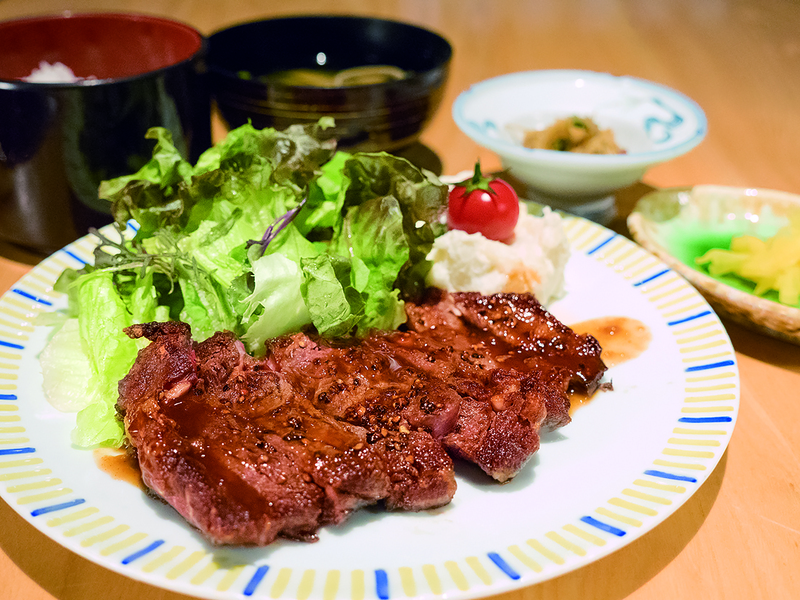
point(771, 264)
point(748, 243)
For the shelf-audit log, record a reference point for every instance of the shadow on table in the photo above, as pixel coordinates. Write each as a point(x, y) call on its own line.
point(620, 574)
point(20, 254)
point(421, 156)
point(763, 348)
point(624, 202)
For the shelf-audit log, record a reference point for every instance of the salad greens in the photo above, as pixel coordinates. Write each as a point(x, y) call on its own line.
point(269, 232)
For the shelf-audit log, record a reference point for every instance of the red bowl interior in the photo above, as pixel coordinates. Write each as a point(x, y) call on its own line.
point(105, 46)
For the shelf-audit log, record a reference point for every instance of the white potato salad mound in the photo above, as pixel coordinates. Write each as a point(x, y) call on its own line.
point(533, 262)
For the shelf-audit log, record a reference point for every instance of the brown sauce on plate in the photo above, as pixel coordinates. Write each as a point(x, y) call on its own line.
point(120, 465)
point(621, 338)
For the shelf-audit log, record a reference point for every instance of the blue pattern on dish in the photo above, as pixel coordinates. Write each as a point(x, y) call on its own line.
point(705, 420)
point(503, 565)
point(665, 475)
point(705, 313)
point(56, 507)
point(716, 365)
point(8, 451)
point(651, 278)
point(381, 584)
point(251, 586)
point(11, 345)
point(651, 122)
point(602, 244)
point(603, 526)
point(140, 553)
point(75, 256)
point(30, 296)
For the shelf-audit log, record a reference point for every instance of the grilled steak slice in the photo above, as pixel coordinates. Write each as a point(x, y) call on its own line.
point(515, 333)
point(498, 421)
point(481, 374)
point(233, 448)
point(395, 381)
point(403, 411)
point(538, 340)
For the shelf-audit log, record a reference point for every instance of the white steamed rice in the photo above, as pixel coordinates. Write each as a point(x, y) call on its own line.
point(52, 73)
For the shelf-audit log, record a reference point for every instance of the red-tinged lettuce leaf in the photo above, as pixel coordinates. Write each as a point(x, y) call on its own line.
point(149, 195)
point(422, 199)
point(168, 190)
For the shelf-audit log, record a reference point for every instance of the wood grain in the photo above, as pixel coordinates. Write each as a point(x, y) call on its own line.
point(738, 537)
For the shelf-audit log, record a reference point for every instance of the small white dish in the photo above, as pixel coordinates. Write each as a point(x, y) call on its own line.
point(652, 123)
point(680, 224)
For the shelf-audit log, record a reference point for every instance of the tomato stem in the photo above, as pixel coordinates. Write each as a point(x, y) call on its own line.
point(477, 181)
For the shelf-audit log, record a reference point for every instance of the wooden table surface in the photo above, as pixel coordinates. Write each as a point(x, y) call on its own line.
point(739, 535)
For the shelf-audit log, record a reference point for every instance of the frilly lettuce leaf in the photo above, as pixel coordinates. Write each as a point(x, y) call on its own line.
point(110, 353)
point(168, 189)
point(372, 234)
point(355, 233)
point(142, 195)
point(333, 302)
point(278, 281)
point(422, 199)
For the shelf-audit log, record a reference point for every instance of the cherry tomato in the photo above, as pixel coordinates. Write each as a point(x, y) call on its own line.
point(480, 205)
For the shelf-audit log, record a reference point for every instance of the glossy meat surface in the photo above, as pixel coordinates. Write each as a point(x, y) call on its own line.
point(248, 449)
point(242, 456)
point(515, 333)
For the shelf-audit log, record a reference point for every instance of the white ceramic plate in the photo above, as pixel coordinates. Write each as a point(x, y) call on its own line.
point(653, 123)
point(629, 459)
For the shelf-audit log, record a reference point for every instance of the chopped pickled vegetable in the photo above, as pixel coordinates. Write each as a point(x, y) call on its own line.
point(771, 264)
